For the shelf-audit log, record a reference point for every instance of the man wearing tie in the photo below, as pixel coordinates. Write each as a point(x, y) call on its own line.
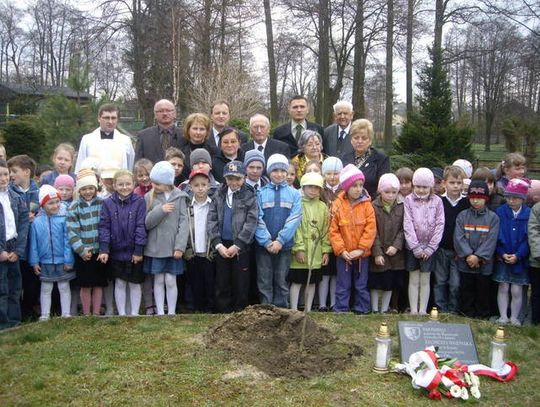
point(259, 128)
point(220, 115)
point(290, 132)
point(337, 136)
point(153, 141)
point(106, 143)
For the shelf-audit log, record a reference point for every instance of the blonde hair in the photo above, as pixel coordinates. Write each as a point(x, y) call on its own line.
point(197, 118)
point(143, 163)
point(362, 124)
point(67, 147)
point(453, 171)
point(122, 173)
point(510, 160)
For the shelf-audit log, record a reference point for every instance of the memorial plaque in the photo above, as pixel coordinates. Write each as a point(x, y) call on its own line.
point(453, 340)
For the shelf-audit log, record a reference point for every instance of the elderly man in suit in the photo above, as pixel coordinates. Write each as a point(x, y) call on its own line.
point(220, 115)
point(290, 132)
point(259, 128)
point(153, 141)
point(337, 136)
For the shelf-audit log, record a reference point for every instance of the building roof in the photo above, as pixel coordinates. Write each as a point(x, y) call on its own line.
point(38, 90)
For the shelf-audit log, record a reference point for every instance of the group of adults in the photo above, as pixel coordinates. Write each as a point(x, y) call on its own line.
point(298, 139)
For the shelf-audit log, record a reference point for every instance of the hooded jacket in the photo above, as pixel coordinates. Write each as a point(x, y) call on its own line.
point(352, 225)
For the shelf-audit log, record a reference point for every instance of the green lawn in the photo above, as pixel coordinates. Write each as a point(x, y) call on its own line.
point(162, 361)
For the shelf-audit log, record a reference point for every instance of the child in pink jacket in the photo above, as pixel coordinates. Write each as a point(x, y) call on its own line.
point(423, 225)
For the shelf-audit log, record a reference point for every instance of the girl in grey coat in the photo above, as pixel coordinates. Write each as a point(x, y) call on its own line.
point(167, 225)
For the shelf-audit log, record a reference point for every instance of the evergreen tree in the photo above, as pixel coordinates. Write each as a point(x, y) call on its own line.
point(429, 137)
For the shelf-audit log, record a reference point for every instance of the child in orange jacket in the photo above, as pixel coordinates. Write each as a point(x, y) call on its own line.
point(352, 232)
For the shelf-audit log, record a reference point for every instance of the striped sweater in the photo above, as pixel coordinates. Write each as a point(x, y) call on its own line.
point(83, 222)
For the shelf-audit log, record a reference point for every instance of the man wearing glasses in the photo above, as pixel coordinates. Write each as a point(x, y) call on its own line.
point(152, 142)
point(106, 144)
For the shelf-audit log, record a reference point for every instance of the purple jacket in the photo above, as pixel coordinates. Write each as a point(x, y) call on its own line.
point(121, 228)
point(423, 223)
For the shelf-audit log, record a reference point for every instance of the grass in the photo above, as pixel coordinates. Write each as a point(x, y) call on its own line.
point(155, 361)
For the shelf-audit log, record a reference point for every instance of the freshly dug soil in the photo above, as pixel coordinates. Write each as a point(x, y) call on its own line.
point(268, 338)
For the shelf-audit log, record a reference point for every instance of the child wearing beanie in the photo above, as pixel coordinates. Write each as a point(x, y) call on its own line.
point(280, 213)
point(311, 244)
point(511, 269)
point(82, 223)
point(331, 168)
point(167, 226)
point(423, 224)
point(64, 184)
point(475, 240)
point(254, 163)
point(352, 232)
point(388, 260)
point(50, 254)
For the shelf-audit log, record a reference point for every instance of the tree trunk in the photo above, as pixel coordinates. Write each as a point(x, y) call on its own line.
point(274, 110)
point(323, 74)
point(389, 100)
point(408, 56)
point(440, 7)
point(359, 76)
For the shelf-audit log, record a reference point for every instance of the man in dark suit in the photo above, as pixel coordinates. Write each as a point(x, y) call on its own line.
point(259, 128)
point(153, 141)
point(337, 136)
point(290, 132)
point(220, 115)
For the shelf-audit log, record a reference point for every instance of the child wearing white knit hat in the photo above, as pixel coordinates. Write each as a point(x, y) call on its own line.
point(423, 225)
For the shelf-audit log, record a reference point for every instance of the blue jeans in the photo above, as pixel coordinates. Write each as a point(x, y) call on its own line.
point(353, 275)
point(10, 294)
point(446, 288)
point(272, 270)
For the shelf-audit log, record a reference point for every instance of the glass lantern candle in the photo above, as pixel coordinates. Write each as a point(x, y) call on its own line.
point(497, 351)
point(383, 346)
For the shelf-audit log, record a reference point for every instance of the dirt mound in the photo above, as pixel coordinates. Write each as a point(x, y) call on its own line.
point(268, 338)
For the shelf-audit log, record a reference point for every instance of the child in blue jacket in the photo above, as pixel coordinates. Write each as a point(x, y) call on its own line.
point(512, 251)
point(50, 253)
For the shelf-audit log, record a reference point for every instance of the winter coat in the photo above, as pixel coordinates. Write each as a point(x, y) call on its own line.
point(353, 224)
point(244, 216)
point(389, 233)
point(20, 212)
point(534, 236)
point(121, 228)
point(476, 233)
point(31, 196)
point(513, 236)
point(167, 232)
point(313, 229)
point(280, 213)
point(49, 242)
point(423, 223)
point(83, 224)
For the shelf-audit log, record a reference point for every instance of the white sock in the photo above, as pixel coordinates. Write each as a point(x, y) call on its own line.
point(65, 297)
point(332, 291)
point(374, 294)
point(515, 305)
point(120, 296)
point(108, 298)
point(414, 283)
point(323, 291)
point(75, 298)
point(172, 293)
point(134, 298)
point(424, 292)
point(386, 296)
point(294, 294)
point(502, 299)
point(310, 295)
point(147, 290)
point(159, 293)
point(45, 299)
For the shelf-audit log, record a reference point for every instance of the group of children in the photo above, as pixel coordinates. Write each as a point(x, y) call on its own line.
point(138, 237)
